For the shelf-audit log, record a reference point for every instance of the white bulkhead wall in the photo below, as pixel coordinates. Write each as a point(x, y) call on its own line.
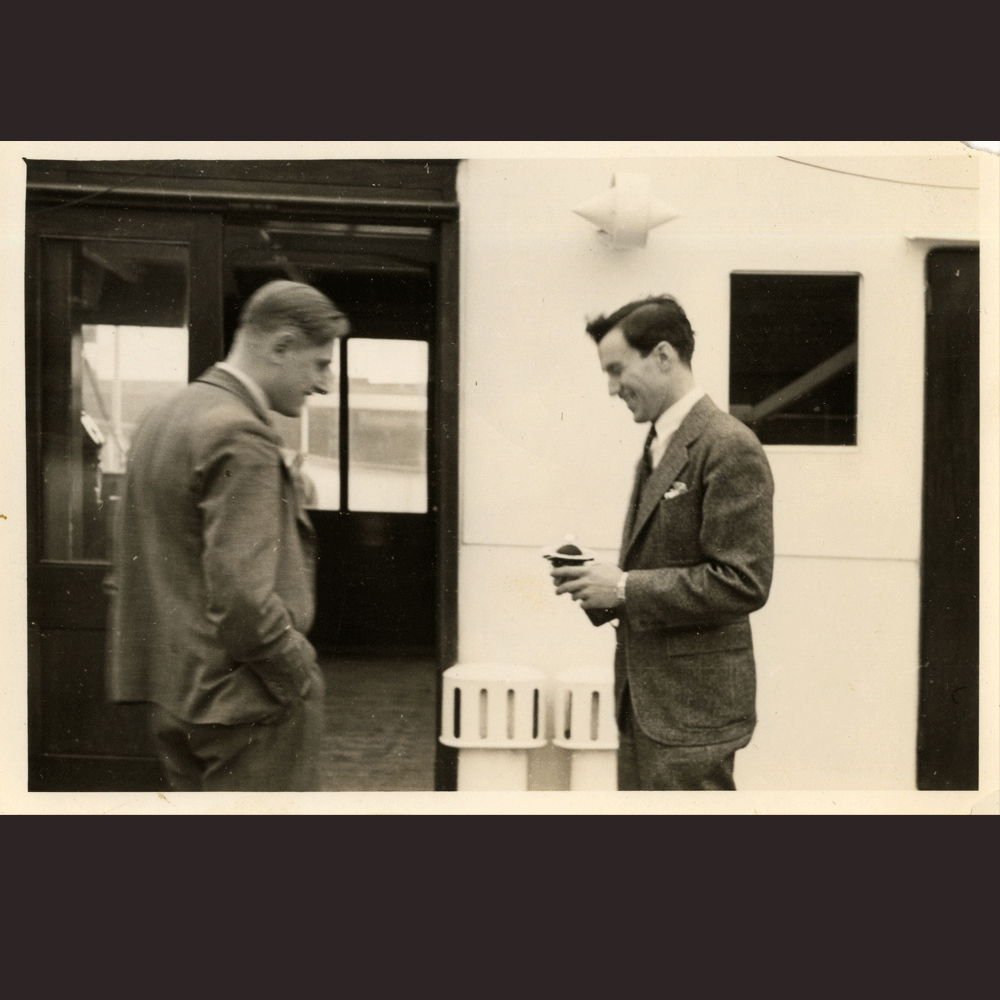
point(546, 452)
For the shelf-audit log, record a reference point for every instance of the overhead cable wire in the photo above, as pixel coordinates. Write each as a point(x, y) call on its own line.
point(869, 177)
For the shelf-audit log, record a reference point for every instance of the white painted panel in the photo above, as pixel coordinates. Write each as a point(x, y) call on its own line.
point(836, 650)
point(545, 451)
point(837, 673)
point(509, 613)
point(731, 195)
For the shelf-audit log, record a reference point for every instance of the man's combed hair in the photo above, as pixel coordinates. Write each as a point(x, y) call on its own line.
point(646, 322)
point(292, 303)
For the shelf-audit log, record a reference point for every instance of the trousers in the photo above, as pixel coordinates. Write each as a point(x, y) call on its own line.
point(273, 756)
point(645, 765)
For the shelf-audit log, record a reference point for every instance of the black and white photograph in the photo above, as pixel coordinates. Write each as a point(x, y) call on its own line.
point(448, 477)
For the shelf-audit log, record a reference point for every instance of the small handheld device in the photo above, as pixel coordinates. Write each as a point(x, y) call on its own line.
point(570, 554)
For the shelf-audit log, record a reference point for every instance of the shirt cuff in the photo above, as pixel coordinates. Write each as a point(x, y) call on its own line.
point(620, 588)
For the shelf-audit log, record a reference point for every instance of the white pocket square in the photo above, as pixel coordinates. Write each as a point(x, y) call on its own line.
point(675, 490)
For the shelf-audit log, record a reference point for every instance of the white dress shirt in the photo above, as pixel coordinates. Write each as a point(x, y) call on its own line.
point(668, 422)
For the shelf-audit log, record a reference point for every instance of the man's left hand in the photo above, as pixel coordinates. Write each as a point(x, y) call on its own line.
point(593, 585)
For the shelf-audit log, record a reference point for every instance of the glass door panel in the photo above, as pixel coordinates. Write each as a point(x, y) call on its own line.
point(115, 343)
point(387, 417)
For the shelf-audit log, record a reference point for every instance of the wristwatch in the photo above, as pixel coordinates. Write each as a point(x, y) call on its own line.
point(620, 588)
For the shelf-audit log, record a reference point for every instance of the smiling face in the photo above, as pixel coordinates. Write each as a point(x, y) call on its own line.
point(643, 383)
point(298, 369)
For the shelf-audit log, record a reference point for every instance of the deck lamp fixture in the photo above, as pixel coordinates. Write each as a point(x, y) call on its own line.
point(626, 212)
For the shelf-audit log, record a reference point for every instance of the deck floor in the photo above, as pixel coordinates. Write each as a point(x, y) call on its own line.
point(380, 725)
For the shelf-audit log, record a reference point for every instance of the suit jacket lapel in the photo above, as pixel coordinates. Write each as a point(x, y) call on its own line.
point(663, 476)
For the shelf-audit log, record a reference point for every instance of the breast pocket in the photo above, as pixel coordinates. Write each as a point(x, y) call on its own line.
point(674, 530)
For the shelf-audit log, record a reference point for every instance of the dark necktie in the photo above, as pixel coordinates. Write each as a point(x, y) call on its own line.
point(646, 466)
point(647, 451)
point(642, 477)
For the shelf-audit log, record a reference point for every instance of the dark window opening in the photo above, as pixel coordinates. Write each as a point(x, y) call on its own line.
point(793, 372)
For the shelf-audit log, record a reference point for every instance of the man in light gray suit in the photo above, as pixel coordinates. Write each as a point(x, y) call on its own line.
point(696, 559)
point(212, 586)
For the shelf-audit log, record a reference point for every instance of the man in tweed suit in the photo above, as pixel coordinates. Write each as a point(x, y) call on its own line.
point(212, 588)
point(696, 559)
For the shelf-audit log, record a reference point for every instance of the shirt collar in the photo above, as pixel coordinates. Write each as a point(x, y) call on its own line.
point(670, 419)
point(251, 386)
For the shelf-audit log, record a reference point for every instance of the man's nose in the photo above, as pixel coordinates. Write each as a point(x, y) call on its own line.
point(614, 386)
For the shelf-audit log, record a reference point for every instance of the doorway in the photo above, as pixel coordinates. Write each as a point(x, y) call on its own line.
point(367, 444)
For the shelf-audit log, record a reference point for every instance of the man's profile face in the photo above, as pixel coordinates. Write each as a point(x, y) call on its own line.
point(302, 369)
point(639, 381)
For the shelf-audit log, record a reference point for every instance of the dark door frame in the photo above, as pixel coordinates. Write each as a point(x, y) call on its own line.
point(401, 192)
point(948, 723)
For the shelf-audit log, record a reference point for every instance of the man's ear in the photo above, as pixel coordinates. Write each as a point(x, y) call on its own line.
point(279, 343)
point(666, 354)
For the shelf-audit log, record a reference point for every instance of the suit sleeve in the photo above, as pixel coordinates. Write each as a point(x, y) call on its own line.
point(241, 525)
point(731, 576)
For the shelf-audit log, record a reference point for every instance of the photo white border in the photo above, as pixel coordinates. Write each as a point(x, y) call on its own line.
point(15, 799)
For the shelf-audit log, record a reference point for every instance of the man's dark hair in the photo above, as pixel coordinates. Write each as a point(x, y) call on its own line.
point(647, 322)
point(292, 303)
